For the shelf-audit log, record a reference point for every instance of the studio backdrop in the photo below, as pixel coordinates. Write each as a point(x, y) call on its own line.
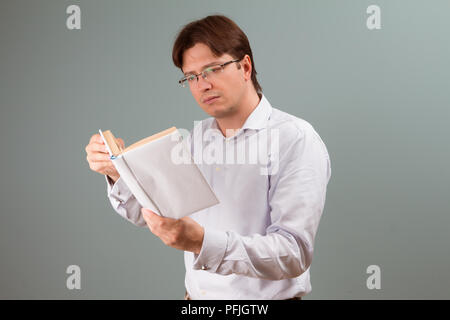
point(372, 77)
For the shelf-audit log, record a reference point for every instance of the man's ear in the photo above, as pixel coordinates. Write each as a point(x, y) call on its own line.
point(247, 62)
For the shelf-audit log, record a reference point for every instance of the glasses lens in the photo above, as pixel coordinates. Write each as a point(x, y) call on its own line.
point(211, 72)
point(189, 79)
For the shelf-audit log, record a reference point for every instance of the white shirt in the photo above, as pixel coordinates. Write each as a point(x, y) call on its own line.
point(258, 242)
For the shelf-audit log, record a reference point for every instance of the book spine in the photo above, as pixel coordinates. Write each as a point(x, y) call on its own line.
point(133, 184)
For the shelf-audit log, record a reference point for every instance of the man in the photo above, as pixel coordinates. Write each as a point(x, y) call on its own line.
point(258, 242)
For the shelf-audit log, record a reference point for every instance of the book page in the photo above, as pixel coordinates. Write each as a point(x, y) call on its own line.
point(176, 189)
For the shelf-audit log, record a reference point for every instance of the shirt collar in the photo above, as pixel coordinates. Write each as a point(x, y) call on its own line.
point(259, 116)
point(256, 120)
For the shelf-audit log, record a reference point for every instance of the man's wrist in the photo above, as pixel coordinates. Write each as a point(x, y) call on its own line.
point(113, 178)
point(199, 245)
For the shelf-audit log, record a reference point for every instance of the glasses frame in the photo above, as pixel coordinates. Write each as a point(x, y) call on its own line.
point(204, 74)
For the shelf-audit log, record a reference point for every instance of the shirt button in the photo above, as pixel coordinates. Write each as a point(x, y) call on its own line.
point(217, 168)
point(204, 267)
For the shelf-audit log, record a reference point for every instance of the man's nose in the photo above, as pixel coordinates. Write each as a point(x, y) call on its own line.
point(203, 84)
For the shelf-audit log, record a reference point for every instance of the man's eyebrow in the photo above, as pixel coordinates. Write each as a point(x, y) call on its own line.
point(205, 66)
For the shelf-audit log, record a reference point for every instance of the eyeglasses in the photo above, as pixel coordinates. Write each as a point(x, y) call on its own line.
point(209, 73)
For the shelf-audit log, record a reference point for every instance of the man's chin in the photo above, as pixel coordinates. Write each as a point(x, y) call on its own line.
point(213, 110)
point(218, 112)
point(217, 109)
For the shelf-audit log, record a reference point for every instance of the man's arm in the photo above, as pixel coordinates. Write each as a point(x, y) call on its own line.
point(118, 193)
point(297, 198)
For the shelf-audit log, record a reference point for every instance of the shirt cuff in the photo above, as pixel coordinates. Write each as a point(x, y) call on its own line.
point(212, 252)
point(118, 190)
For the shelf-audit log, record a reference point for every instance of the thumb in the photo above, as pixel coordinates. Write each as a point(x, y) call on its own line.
point(147, 212)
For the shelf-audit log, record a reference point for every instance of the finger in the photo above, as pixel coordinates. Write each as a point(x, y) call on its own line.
point(149, 213)
point(96, 147)
point(101, 164)
point(96, 138)
point(147, 221)
point(98, 157)
point(152, 217)
point(100, 147)
point(101, 167)
point(145, 215)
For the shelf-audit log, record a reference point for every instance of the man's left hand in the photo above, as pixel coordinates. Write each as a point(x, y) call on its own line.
point(183, 234)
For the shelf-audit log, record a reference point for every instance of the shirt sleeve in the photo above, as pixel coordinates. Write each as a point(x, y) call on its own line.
point(296, 197)
point(123, 201)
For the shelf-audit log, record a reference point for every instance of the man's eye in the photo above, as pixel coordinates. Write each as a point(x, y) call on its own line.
point(190, 78)
point(213, 69)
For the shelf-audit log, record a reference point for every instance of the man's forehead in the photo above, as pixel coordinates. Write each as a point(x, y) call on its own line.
point(198, 57)
point(202, 67)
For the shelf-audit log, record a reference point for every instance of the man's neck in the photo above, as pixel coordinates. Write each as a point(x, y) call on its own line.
point(237, 120)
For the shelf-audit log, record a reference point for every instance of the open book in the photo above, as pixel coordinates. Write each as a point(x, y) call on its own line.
point(167, 187)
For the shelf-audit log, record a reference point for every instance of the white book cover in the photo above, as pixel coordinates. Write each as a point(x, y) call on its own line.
point(167, 187)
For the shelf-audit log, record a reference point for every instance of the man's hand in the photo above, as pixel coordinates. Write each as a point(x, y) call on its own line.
point(98, 157)
point(183, 234)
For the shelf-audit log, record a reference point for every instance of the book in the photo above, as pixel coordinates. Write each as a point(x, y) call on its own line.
point(167, 187)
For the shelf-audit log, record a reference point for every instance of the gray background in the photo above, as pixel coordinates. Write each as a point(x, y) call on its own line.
point(379, 99)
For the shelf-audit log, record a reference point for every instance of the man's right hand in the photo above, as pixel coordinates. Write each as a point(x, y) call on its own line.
point(98, 157)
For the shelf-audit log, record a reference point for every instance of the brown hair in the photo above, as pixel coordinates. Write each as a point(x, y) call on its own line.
point(221, 34)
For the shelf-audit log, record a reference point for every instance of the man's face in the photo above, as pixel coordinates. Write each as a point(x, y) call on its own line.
point(226, 88)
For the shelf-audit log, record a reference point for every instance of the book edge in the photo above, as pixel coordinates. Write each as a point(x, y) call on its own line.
point(110, 142)
point(149, 139)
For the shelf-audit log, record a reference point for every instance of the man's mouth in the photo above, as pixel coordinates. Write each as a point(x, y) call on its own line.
point(211, 99)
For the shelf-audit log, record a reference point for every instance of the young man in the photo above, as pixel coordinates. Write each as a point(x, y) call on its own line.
point(258, 242)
